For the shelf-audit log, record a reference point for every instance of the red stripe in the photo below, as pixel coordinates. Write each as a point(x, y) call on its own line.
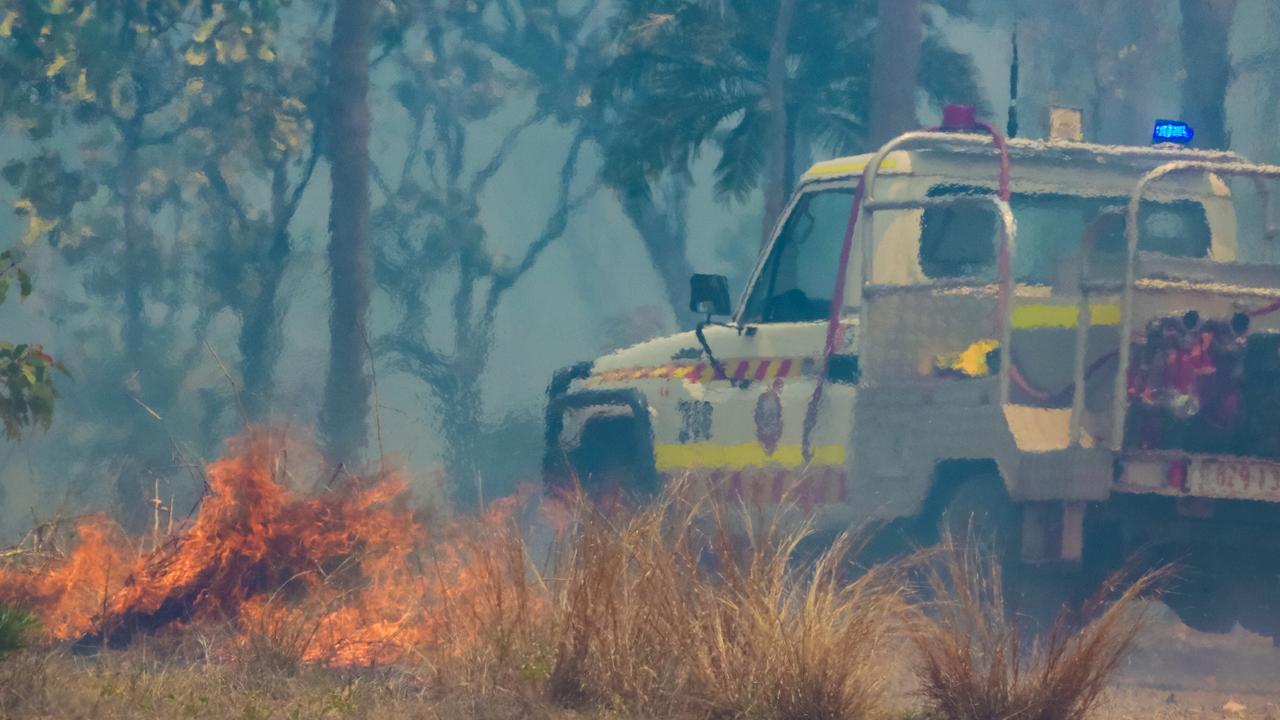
point(741, 372)
point(696, 374)
point(784, 367)
point(763, 370)
point(734, 491)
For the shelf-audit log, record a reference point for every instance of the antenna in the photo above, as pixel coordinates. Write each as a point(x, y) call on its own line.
point(1012, 129)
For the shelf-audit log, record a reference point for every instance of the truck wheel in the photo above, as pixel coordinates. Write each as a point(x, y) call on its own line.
point(978, 512)
point(606, 460)
point(1201, 600)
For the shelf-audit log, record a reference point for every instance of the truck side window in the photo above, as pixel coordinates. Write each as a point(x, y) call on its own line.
point(957, 241)
point(797, 280)
point(1179, 229)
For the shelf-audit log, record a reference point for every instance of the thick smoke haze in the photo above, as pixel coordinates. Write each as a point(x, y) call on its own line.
point(594, 288)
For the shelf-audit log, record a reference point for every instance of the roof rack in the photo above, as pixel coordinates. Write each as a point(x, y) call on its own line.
point(977, 143)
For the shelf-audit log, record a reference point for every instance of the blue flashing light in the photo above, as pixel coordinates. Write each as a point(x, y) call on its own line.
point(1172, 131)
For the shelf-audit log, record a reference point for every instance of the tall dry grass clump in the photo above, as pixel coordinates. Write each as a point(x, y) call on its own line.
point(687, 608)
point(976, 663)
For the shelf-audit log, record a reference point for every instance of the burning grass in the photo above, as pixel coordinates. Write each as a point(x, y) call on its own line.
point(347, 575)
point(273, 594)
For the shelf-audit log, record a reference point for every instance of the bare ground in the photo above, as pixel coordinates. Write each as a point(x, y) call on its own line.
point(1179, 674)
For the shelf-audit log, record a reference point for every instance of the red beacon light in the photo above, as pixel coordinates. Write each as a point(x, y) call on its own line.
point(959, 118)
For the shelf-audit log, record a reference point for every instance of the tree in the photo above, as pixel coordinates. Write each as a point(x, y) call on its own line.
point(344, 416)
point(26, 370)
point(691, 74)
point(899, 33)
point(432, 248)
point(780, 132)
point(263, 117)
point(561, 51)
point(1206, 62)
point(141, 119)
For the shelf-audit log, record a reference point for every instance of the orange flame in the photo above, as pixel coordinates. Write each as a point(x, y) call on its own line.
point(346, 576)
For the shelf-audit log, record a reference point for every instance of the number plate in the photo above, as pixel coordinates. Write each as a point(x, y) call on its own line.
point(1239, 479)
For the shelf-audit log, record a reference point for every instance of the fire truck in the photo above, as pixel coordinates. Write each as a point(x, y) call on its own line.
point(1052, 342)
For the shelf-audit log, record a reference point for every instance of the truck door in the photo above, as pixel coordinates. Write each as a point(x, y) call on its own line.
point(772, 361)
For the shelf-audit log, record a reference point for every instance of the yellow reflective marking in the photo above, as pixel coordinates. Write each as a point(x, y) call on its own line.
point(1028, 317)
point(845, 167)
point(743, 455)
point(682, 371)
point(972, 361)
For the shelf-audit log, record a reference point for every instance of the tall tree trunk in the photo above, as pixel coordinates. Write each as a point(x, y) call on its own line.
point(899, 32)
point(777, 182)
point(260, 331)
point(1206, 29)
point(136, 232)
point(344, 415)
point(663, 234)
point(141, 440)
point(460, 422)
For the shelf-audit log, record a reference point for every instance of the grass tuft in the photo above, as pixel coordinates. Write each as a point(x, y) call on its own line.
point(687, 610)
point(16, 626)
point(975, 661)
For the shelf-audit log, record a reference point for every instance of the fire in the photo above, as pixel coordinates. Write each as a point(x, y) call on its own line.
point(346, 575)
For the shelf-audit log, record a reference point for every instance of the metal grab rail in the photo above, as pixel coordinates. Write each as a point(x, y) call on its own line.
point(866, 192)
point(1084, 318)
point(1003, 317)
point(1132, 232)
point(1005, 239)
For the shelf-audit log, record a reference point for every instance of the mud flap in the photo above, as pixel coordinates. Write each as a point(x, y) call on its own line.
point(1052, 531)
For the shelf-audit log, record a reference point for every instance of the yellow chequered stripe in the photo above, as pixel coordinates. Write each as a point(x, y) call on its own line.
point(743, 455)
point(760, 369)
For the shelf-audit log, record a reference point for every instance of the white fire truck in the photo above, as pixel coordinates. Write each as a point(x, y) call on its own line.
point(1049, 339)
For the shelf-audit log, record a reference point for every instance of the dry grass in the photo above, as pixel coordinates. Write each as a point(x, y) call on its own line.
point(666, 609)
point(136, 685)
point(672, 610)
point(976, 663)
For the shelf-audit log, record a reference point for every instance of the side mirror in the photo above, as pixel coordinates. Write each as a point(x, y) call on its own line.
point(709, 295)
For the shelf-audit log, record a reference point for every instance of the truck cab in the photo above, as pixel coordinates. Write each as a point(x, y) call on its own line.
point(1054, 336)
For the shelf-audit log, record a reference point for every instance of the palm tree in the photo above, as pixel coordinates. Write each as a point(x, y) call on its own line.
point(689, 74)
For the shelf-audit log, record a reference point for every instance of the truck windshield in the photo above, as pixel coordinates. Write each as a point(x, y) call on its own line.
point(959, 241)
point(796, 281)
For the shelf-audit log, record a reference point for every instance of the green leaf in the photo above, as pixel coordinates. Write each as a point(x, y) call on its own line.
point(29, 372)
point(24, 283)
point(4, 289)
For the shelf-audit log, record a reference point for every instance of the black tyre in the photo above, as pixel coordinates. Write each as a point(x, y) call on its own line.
point(606, 462)
point(1201, 597)
point(979, 515)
